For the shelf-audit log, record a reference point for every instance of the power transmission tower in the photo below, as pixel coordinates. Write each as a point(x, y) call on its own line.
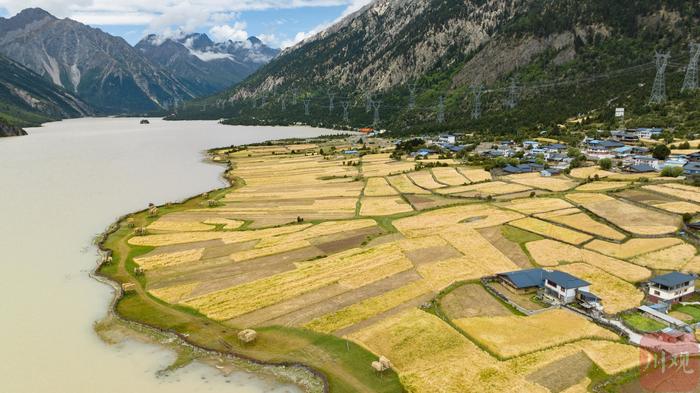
point(368, 102)
point(346, 116)
point(283, 98)
point(412, 97)
point(512, 100)
point(476, 108)
point(690, 82)
point(441, 110)
point(295, 94)
point(658, 93)
point(331, 97)
point(376, 105)
point(263, 101)
point(255, 102)
point(307, 103)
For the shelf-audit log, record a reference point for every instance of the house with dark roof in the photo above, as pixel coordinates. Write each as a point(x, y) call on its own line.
point(640, 168)
point(523, 281)
point(523, 168)
point(692, 168)
point(553, 285)
point(671, 287)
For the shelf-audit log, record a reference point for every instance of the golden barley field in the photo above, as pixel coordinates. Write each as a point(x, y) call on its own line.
point(536, 205)
point(552, 183)
point(383, 206)
point(546, 229)
point(584, 223)
point(672, 258)
point(548, 252)
point(378, 186)
point(602, 186)
point(405, 185)
point(632, 247)
point(449, 176)
point(425, 180)
point(617, 295)
point(430, 356)
point(680, 191)
point(533, 333)
point(475, 175)
point(472, 216)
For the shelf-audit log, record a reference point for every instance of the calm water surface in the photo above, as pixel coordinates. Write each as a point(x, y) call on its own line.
point(59, 187)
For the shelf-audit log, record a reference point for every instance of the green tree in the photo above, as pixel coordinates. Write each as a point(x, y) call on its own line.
point(672, 171)
point(605, 164)
point(661, 152)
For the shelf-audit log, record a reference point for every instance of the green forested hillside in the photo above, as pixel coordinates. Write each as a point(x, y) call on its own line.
point(570, 59)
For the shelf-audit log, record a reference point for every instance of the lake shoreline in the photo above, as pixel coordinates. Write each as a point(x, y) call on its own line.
point(281, 372)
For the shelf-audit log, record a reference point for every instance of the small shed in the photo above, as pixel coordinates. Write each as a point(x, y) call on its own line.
point(247, 336)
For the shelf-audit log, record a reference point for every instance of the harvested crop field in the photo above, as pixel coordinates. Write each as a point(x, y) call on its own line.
point(533, 333)
point(679, 207)
point(617, 295)
point(590, 171)
point(424, 202)
point(427, 353)
point(383, 206)
point(680, 191)
point(475, 175)
point(449, 176)
point(632, 247)
point(405, 185)
point(535, 180)
point(536, 205)
point(179, 226)
point(672, 258)
point(550, 230)
point(509, 248)
point(378, 186)
point(627, 216)
point(425, 179)
point(485, 189)
point(552, 253)
point(584, 223)
point(602, 186)
point(471, 216)
point(472, 300)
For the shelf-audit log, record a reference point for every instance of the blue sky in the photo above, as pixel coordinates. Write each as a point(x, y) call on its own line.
point(279, 23)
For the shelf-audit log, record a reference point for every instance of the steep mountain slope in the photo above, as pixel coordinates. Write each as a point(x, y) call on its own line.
point(569, 57)
point(203, 66)
point(28, 99)
point(103, 70)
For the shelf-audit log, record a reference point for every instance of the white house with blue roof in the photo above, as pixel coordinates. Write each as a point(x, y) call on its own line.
point(558, 286)
point(671, 287)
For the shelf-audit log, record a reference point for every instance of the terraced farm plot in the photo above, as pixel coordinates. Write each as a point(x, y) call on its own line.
point(617, 295)
point(679, 207)
point(179, 226)
point(425, 179)
point(552, 253)
point(672, 258)
point(602, 186)
point(383, 206)
point(449, 176)
point(427, 353)
point(405, 185)
point(533, 333)
point(472, 300)
point(632, 247)
point(476, 175)
point(470, 216)
point(535, 180)
point(485, 189)
point(368, 308)
point(536, 205)
point(693, 266)
point(378, 186)
point(550, 230)
point(584, 223)
point(627, 216)
point(382, 165)
point(680, 191)
point(161, 260)
point(590, 171)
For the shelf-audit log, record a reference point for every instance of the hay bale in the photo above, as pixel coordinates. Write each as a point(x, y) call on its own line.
point(247, 336)
point(378, 367)
point(140, 231)
point(385, 362)
point(128, 286)
point(212, 203)
point(153, 211)
point(382, 365)
point(130, 222)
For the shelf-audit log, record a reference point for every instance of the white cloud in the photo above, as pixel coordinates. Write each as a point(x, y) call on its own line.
point(235, 32)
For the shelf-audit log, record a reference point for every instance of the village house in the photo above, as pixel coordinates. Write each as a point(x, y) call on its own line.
point(648, 133)
point(642, 160)
point(448, 139)
point(675, 161)
point(671, 288)
point(531, 145)
point(692, 168)
point(554, 285)
point(598, 150)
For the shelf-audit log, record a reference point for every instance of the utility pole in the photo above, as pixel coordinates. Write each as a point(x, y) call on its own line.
point(376, 105)
point(412, 97)
point(658, 93)
point(690, 82)
point(331, 97)
point(512, 100)
point(476, 108)
point(307, 103)
point(441, 110)
point(346, 116)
